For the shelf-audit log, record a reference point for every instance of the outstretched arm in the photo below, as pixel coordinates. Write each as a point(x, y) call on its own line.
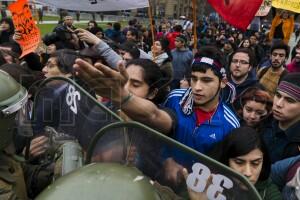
point(109, 55)
point(110, 83)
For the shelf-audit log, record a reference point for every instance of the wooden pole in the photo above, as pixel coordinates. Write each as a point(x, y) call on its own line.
point(151, 21)
point(35, 12)
point(195, 23)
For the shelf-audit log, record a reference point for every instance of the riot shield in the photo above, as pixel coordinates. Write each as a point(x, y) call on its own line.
point(161, 159)
point(64, 105)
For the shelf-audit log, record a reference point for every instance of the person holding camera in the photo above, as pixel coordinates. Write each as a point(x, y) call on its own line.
point(65, 32)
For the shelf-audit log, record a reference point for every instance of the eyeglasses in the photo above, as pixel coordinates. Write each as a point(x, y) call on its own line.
point(241, 62)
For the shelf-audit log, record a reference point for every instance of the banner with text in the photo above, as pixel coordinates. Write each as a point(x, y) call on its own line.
point(291, 5)
point(96, 5)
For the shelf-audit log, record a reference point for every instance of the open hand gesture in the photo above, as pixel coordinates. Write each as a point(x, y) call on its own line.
point(105, 81)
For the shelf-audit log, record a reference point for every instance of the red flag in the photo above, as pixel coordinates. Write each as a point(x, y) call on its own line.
point(238, 13)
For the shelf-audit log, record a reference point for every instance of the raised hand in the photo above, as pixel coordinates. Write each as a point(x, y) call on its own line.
point(38, 146)
point(87, 36)
point(105, 81)
point(17, 35)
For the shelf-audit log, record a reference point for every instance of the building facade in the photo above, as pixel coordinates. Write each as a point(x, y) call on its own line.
point(176, 8)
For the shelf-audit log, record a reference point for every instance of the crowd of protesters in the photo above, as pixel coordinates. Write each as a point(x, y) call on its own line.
point(235, 98)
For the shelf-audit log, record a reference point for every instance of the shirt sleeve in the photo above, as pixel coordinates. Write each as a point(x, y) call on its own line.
point(174, 120)
point(109, 55)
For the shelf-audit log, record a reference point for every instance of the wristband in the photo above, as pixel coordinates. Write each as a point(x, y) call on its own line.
point(126, 99)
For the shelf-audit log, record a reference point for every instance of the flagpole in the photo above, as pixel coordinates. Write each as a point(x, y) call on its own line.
point(36, 12)
point(151, 21)
point(195, 23)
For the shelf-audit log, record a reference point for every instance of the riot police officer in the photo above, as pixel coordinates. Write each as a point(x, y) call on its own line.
point(13, 97)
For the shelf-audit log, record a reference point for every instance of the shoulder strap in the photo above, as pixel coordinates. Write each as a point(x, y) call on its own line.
point(262, 72)
point(283, 74)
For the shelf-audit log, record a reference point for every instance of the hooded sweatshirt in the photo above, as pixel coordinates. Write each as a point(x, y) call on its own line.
point(227, 93)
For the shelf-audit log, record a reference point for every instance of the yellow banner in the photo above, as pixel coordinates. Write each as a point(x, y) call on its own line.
point(291, 5)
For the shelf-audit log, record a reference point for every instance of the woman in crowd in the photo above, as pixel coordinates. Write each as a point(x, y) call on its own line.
point(244, 151)
point(297, 46)
point(282, 26)
point(10, 57)
point(145, 79)
point(245, 43)
point(161, 55)
point(240, 38)
point(95, 29)
point(91, 24)
point(6, 30)
point(254, 107)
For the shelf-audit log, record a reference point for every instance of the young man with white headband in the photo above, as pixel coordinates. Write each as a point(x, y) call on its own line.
point(202, 118)
point(283, 135)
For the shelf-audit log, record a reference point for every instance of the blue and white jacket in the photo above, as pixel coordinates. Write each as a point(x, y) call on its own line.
point(203, 137)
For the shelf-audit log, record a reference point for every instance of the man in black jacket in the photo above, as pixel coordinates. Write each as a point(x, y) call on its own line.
point(241, 63)
point(65, 33)
point(283, 136)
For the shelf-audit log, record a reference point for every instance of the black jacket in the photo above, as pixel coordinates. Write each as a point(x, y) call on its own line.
point(227, 93)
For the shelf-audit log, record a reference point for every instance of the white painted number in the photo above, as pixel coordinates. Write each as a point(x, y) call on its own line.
point(197, 181)
point(72, 97)
point(214, 191)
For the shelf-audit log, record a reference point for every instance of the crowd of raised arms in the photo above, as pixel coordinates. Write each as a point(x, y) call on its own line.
point(236, 98)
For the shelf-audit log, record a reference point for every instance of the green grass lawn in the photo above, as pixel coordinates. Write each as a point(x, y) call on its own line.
point(47, 28)
point(50, 18)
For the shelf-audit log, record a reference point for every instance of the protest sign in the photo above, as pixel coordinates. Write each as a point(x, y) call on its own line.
point(291, 5)
point(24, 23)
